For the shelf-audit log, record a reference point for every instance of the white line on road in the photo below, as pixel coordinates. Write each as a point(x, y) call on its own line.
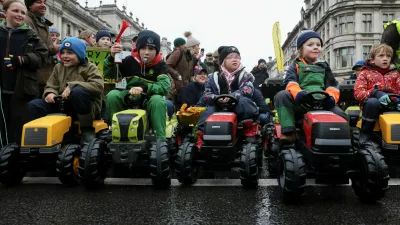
point(175, 182)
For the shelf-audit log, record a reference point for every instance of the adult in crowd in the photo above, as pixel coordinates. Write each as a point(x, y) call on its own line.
point(181, 63)
point(180, 48)
point(36, 20)
point(209, 63)
point(191, 93)
point(216, 61)
point(22, 53)
point(356, 69)
point(260, 73)
point(88, 37)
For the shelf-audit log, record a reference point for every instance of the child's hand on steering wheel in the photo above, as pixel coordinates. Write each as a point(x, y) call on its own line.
point(224, 100)
point(136, 91)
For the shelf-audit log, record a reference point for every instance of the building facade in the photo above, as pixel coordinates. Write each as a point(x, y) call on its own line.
point(72, 18)
point(348, 28)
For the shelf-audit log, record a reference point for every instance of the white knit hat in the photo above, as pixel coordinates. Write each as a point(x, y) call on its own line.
point(191, 41)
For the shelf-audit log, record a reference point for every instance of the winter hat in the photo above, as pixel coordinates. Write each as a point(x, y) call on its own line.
point(262, 61)
point(360, 63)
point(305, 35)
point(191, 41)
point(178, 42)
point(199, 70)
point(224, 51)
point(102, 33)
point(77, 46)
point(54, 30)
point(134, 39)
point(148, 38)
point(29, 2)
point(216, 53)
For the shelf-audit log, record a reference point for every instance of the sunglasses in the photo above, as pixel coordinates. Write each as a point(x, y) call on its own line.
point(209, 55)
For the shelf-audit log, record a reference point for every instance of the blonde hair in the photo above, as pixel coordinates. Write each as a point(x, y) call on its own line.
point(380, 48)
point(85, 34)
point(7, 4)
point(300, 53)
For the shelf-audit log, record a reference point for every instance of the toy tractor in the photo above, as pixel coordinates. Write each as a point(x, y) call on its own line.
point(226, 144)
point(133, 144)
point(386, 136)
point(323, 148)
point(47, 143)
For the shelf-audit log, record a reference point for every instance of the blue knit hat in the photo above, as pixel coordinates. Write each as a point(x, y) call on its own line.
point(358, 64)
point(103, 33)
point(77, 46)
point(305, 35)
point(54, 30)
point(148, 38)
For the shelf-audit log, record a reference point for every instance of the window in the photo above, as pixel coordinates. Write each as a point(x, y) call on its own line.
point(344, 24)
point(366, 51)
point(320, 12)
point(327, 30)
point(69, 30)
point(367, 21)
point(79, 31)
point(344, 57)
point(328, 57)
point(387, 17)
point(322, 33)
point(316, 17)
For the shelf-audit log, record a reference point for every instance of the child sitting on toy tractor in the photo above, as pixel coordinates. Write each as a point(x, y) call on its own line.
point(376, 80)
point(305, 75)
point(236, 81)
point(77, 80)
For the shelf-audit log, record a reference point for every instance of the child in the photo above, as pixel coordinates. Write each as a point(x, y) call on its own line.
point(356, 70)
point(377, 78)
point(26, 54)
point(146, 72)
point(79, 82)
point(103, 39)
point(191, 93)
point(236, 81)
point(306, 74)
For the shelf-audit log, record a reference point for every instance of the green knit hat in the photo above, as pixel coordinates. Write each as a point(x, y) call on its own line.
point(179, 42)
point(29, 2)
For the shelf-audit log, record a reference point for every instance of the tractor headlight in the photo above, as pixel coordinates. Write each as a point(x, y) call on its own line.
point(116, 130)
point(132, 130)
point(115, 122)
point(134, 123)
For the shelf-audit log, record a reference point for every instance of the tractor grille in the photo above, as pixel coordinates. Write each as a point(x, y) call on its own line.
point(395, 130)
point(35, 136)
point(124, 121)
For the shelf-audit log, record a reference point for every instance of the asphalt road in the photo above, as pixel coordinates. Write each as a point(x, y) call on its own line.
point(127, 201)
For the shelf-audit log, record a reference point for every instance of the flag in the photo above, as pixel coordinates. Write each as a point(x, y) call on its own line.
point(276, 37)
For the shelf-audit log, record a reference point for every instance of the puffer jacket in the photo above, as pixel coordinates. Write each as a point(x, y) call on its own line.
point(370, 81)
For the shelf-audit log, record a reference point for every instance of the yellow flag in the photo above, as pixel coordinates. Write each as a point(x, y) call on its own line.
point(276, 37)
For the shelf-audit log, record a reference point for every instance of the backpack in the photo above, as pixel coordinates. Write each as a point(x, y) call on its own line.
point(180, 56)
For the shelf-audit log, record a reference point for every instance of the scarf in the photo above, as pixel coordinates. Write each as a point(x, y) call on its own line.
point(155, 61)
point(230, 76)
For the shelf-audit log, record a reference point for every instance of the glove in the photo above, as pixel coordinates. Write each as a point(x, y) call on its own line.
point(300, 96)
point(329, 103)
point(384, 100)
point(13, 62)
point(247, 91)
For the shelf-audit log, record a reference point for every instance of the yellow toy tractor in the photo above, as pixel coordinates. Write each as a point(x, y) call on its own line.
point(47, 143)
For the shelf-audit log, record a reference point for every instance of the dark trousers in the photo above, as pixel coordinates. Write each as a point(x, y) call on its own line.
point(370, 113)
point(289, 112)
point(79, 102)
point(13, 115)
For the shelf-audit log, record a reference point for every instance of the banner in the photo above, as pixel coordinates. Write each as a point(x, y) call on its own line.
point(98, 55)
point(276, 36)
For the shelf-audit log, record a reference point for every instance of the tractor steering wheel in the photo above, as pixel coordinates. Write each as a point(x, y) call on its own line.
point(60, 100)
point(228, 105)
point(394, 101)
point(135, 102)
point(314, 100)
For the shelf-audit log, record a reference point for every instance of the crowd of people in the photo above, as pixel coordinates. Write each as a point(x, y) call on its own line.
point(43, 67)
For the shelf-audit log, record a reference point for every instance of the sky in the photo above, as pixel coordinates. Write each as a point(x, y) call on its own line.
point(246, 24)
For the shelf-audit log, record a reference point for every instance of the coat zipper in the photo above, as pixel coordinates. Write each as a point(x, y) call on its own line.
point(8, 43)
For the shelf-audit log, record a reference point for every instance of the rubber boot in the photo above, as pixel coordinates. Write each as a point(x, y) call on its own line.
point(287, 139)
point(87, 129)
point(367, 128)
point(199, 142)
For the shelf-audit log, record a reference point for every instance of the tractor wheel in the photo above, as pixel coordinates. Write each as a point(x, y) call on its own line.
point(371, 184)
point(67, 164)
point(292, 172)
point(160, 170)
point(104, 135)
point(249, 170)
point(92, 164)
point(355, 137)
point(185, 169)
point(11, 172)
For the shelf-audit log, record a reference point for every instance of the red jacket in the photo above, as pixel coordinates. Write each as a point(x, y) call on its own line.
point(370, 80)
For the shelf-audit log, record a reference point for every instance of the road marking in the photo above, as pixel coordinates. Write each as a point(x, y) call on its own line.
point(175, 182)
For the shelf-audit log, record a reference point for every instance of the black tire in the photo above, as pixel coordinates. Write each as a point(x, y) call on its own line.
point(92, 164)
point(355, 138)
point(11, 171)
point(66, 170)
point(249, 171)
point(292, 173)
point(104, 135)
point(371, 184)
point(185, 169)
point(160, 170)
